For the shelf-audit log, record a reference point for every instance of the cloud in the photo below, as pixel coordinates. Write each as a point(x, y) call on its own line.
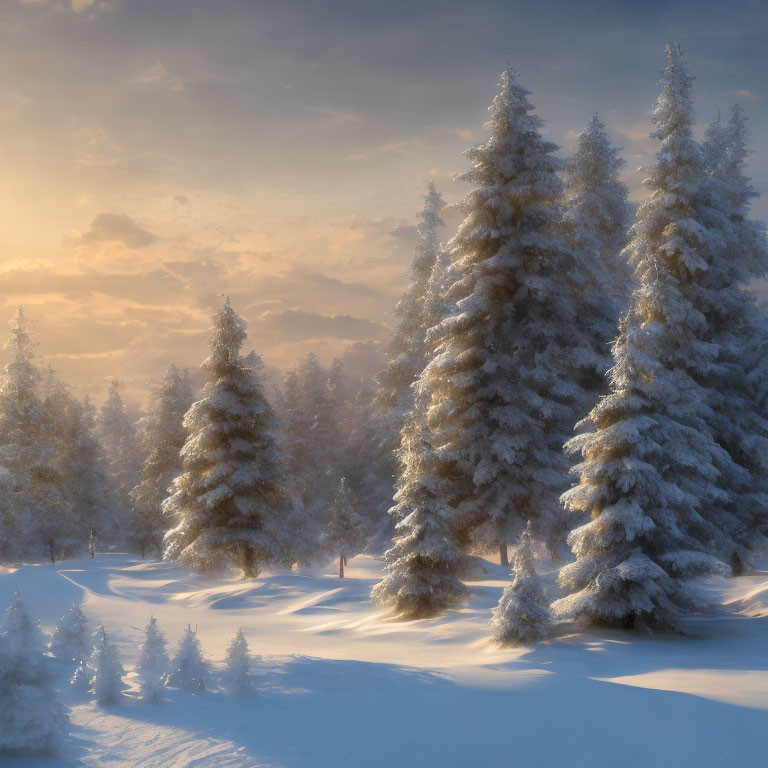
point(746, 93)
point(400, 148)
point(115, 227)
point(337, 115)
point(298, 325)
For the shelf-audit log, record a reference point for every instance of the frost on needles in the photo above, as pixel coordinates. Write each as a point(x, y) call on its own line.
point(650, 469)
point(229, 504)
point(515, 364)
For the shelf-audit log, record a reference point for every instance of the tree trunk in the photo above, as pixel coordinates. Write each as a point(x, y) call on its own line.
point(503, 554)
point(341, 566)
point(249, 563)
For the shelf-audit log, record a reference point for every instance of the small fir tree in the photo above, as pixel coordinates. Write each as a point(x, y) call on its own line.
point(344, 534)
point(153, 663)
point(71, 640)
point(237, 671)
point(522, 615)
point(107, 684)
point(189, 670)
point(31, 717)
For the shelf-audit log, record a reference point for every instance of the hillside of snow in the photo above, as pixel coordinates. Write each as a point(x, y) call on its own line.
point(342, 684)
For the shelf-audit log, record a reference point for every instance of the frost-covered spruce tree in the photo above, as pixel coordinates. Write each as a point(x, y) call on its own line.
point(189, 670)
point(107, 684)
point(369, 479)
point(344, 535)
point(407, 354)
point(522, 615)
point(506, 379)
point(27, 507)
point(71, 640)
point(420, 576)
point(82, 679)
point(31, 717)
point(229, 503)
point(739, 334)
point(153, 663)
point(237, 666)
point(650, 466)
point(117, 434)
point(163, 438)
point(597, 217)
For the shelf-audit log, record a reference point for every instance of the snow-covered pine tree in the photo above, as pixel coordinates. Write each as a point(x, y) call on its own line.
point(312, 413)
point(739, 334)
point(522, 614)
point(118, 438)
point(163, 437)
point(506, 382)
point(31, 717)
point(71, 640)
point(369, 479)
point(597, 217)
point(237, 666)
point(25, 512)
point(420, 576)
point(107, 684)
point(650, 466)
point(344, 534)
point(82, 678)
point(189, 670)
point(153, 663)
point(230, 501)
point(407, 349)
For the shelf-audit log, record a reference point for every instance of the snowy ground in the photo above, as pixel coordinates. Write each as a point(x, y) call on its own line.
point(342, 684)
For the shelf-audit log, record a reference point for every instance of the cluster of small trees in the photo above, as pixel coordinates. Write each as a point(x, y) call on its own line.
point(33, 718)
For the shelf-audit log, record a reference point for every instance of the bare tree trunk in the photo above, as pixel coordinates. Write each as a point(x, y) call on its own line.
point(503, 554)
point(341, 566)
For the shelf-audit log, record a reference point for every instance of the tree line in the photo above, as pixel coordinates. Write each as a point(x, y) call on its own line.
point(567, 368)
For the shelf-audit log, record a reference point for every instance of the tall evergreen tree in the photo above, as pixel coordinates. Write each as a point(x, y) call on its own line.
point(406, 350)
point(507, 380)
point(230, 502)
point(163, 438)
point(597, 217)
point(117, 434)
point(420, 576)
point(30, 491)
point(651, 466)
point(31, 717)
point(739, 334)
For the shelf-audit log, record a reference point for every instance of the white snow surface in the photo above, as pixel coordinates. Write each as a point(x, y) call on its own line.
point(341, 683)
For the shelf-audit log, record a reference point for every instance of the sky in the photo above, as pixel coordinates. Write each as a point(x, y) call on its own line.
point(159, 154)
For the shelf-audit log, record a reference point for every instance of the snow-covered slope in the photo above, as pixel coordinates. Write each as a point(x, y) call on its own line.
point(343, 684)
